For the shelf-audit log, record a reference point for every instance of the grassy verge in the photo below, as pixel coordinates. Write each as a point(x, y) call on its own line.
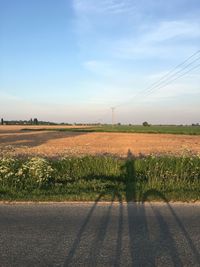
point(104, 177)
point(153, 129)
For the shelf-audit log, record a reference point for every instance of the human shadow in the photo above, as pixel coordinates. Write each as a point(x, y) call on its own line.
point(139, 244)
point(148, 242)
point(130, 177)
point(144, 249)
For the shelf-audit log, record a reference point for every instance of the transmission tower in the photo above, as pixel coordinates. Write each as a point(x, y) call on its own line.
point(113, 115)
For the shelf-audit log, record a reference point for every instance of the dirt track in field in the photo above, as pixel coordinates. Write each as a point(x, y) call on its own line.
point(50, 143)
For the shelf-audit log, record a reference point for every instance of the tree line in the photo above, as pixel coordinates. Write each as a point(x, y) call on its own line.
point(34, 121)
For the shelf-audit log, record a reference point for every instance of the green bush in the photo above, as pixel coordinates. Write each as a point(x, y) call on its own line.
point(87, 168)
point(93, 175)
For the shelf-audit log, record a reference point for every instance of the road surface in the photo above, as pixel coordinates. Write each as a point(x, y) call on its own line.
point(97, 234)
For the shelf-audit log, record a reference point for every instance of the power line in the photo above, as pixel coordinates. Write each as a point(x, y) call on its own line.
point(174, 74)
point(183, 74)
point(167, 77)
point(173, 69)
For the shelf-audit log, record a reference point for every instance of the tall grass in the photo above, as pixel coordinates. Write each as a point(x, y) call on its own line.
point(86, 178)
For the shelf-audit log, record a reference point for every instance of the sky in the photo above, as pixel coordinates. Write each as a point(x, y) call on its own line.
point(72, 60)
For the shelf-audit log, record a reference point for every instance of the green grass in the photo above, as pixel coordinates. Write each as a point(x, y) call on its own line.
point(100, 177)
point(154, 129)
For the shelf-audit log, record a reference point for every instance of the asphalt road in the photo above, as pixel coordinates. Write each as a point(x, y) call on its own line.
point(100, 235)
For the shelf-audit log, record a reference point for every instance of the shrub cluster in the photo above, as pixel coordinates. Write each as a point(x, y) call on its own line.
point(25, 174)
point(100, 174)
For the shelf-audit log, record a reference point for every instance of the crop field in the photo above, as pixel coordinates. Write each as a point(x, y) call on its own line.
point(70, 140)
point(153, 129)
point(73, 163)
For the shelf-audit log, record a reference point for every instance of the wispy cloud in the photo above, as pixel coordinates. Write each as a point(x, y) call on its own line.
point(137, 37)
point(161, 40)
point(103, 6)
point(168, 30)
point(101, 68)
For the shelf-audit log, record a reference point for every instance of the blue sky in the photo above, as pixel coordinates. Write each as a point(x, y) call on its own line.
point(71, 60)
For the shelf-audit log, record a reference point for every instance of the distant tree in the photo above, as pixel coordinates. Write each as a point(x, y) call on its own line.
point(146, 124)
point(195, 124)
point(2, 121)
point(35, 121)
point(119, 124)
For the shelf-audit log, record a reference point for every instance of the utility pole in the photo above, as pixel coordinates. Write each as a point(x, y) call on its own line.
point(113, 115)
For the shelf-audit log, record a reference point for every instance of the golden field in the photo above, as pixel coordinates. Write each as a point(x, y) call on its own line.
point(55, 143)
